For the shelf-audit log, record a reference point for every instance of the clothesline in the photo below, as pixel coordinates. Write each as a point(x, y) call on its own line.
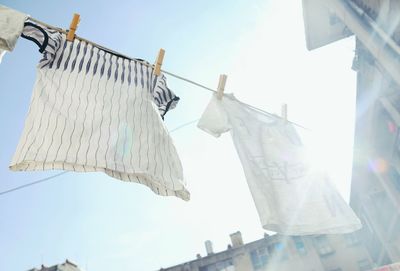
point(32, 183)
point(124, 136)
point(124, 56)
point(152, 66)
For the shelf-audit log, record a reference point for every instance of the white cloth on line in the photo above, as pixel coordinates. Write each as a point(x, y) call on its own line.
point(291, 198)
point(92, 110)
point(11, 26)
point(2, 53)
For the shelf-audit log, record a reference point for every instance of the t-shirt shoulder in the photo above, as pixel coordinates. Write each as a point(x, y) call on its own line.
point(164, 98)
point(48, 40)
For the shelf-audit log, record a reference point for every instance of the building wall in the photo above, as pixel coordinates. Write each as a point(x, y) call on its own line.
point(66, 266)
point(385, 13)
point(348, 253)
point(280, 253)
point(283, 254)
point(376, 172)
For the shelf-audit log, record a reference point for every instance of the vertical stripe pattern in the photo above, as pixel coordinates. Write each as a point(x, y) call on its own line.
point(95, 111)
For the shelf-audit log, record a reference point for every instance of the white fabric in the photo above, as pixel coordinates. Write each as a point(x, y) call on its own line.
point(2, 53)
point(94, 111)
point(214, 120)
point(291, 198)
point(11, 26)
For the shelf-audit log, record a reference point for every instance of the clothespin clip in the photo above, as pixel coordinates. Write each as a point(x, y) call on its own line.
point(72, 28)
point(284, 113)
point(221, 86)
point(159, 62)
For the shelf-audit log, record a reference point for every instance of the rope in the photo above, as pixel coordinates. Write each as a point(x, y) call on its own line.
point(32, 183)
point(152, 66)
point(189, 81)
point(146, 64)
point(272, 115)
point(184, 125)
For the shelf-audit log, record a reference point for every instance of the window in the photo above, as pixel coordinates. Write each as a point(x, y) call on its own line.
point(322, 245)
point(299, 244)
point(259, 257)
point(364, 265)
point(225, 265)
point(186, 267)
point(278, 251)
point(351, 239)
point(394, 177)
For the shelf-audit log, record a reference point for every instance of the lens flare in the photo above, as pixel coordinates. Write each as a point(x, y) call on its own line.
point(378, 165)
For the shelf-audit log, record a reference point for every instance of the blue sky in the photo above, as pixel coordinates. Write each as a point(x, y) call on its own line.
point(104, 224)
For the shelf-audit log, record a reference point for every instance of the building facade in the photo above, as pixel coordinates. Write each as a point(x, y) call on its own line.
point(375, 189)
point(284, 253)
point(375, 192)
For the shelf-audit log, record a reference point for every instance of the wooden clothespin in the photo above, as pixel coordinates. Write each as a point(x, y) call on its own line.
point(284, 113)
point(221, 86)
point(72, 28)
point(159, 62)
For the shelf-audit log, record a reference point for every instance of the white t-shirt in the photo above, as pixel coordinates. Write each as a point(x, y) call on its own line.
point(11, 26)
point(290, 197)
point(92, 110)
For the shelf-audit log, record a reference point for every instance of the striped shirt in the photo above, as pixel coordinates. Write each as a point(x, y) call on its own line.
point(92, 110)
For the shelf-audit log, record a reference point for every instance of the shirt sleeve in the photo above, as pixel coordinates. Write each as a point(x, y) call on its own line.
point(11, 26)
point(164, 98)
point(214, 120)
point(48, 40)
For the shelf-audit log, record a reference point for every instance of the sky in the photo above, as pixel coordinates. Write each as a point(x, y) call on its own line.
point(105, 224)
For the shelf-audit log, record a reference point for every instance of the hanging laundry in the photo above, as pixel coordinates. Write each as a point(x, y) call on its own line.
point(2, 53)
point(92, 110)
point(11, 25)
point(291, 197)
